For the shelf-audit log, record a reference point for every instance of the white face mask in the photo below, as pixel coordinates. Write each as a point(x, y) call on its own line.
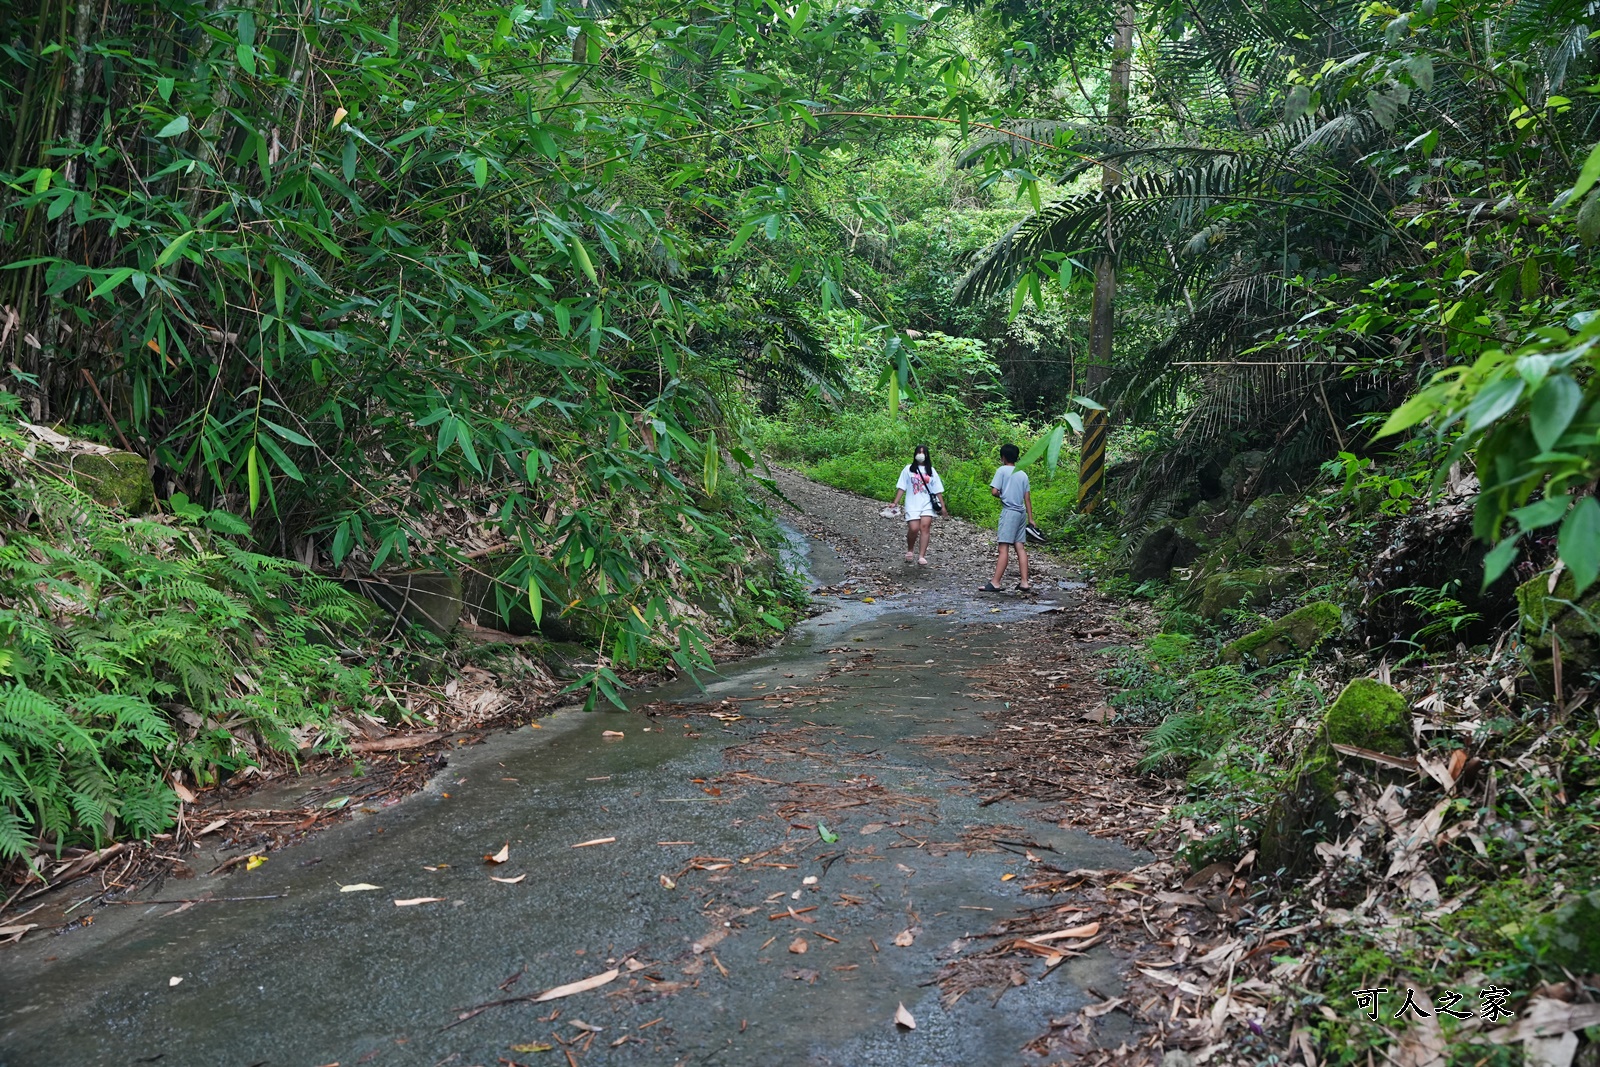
point(921, 457)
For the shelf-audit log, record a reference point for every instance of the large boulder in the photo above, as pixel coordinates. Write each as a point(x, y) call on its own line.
point(1561, 616)
point(1250, 587)
point(1161, 550)
point(1299, 631)
point(431, 599)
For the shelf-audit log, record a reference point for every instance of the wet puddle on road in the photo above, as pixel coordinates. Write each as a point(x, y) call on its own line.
point(771, 866)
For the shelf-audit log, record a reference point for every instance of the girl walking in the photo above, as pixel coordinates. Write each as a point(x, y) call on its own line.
point(924, 497)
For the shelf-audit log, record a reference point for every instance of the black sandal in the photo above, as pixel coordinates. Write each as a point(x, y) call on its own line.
point(990, 587)
point(1024, 588)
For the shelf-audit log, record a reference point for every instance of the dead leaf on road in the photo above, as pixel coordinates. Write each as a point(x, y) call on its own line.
point(1077, 931)
point(12, 934)
point(409, 902)
point(359, 887)
point(905, 938)
point(508, 881)
point(595, 841)
point(1094, 1011)
point(582, 986)
point(799, 946)
point(611, 735)
point(904, 1018)
point(532, 1048)
point(802, 974)
point(501, 856)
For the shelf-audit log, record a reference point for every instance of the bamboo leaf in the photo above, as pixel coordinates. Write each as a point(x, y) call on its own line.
point(175, 127)
point(253, 467)
point(174, 249)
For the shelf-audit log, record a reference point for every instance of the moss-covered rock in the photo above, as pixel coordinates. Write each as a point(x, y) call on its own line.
point(1301, 630)
point(115, 479)
point(1369, 714)
point(1252, 587)
point(1161, 550)
point(1545, 613)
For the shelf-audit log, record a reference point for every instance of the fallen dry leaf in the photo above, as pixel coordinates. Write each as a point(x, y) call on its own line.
point(532, 1048)
point(1007, 877)
point(358, 887)
point(799, 946)
point(904, 938)
point(582, 986)
point(595, 841)
point(508, 881)
point(174, 980)
point(1094, 1011)
point(12, 934)
point(253, 862)
point(410, 901)
point(667, 883)
point(1077, 931)
point(904, 1018)
point(212, 827)
point(613, 735)
point(501, 856)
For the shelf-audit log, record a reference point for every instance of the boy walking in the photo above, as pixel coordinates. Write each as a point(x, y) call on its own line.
point(1016, 512)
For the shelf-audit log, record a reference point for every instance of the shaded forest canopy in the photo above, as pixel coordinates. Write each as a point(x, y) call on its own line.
point(532, 293)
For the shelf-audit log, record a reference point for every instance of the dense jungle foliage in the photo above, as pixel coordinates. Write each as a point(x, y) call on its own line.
point(535, 291)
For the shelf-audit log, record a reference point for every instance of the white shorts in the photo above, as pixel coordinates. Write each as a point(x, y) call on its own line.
point(919, 508)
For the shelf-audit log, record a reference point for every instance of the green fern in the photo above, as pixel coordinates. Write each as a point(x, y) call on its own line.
point(112, 630)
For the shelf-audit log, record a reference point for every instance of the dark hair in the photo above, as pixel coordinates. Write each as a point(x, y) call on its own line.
point(927, 464)
point(1009, 453)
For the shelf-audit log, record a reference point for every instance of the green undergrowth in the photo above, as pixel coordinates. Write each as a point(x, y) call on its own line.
point(132, 649)
point(1514, 907)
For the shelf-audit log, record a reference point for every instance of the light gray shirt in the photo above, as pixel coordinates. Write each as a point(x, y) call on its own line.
point(1013, 486)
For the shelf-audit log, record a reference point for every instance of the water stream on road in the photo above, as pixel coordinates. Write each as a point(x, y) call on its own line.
point(322, 976)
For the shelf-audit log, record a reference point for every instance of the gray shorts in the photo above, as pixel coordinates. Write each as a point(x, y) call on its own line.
point(1012, 524)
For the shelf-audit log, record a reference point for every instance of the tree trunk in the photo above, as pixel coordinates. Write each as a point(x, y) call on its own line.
point(1091, 464)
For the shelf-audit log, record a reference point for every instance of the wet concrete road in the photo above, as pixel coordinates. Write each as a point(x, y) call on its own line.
point(321, 976)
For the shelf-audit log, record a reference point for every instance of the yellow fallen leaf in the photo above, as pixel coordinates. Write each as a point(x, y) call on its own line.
point(904, 1018)
point(417, 900)
point(1007, 877)
point(501, 856)
point(508, 881)
point(532, 1048)
point(253, 862)
point(338, 117)
point(358, 887)
point(868, 600)
point(581, 986)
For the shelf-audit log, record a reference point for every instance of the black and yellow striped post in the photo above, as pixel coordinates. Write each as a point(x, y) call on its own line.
point(1092, 464)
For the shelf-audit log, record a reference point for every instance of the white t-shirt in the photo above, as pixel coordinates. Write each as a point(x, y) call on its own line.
point(915, 483)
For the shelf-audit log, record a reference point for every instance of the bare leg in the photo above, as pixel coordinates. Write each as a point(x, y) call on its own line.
point(927, 536)
point(1000, 567)
point(911, 540)
point(1022, 562)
